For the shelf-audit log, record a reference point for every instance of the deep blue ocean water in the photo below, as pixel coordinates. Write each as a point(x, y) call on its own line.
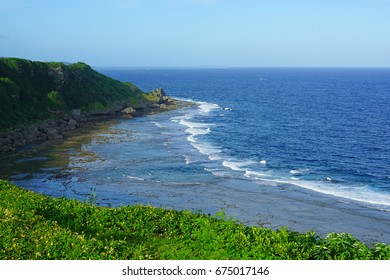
point(327, 129)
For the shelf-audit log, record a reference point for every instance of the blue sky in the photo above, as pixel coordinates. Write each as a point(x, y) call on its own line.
point(197, 33)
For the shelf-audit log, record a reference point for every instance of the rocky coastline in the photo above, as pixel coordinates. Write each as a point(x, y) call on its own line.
point(60, 126)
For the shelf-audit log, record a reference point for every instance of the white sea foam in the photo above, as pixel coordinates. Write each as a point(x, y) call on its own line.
point(158, 124)
point(206, 108)
point(255, 174)
point(177, 119)
point(236, 166)
point(186, 122)
point(298, 171)
point(134, 178)
point(354, 193)
point(245, 167)
point(195, 129)
point(218, 172)
point(211, 151)
point(188, 160)
point(361, 194)
point(184, 99)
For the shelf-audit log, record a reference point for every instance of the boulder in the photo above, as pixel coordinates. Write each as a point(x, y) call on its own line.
point(33, 134)
point(128, 110)
point(72, 124)
point(53, 134)
point(154, 106)
point(159, 92)
point(76, 112)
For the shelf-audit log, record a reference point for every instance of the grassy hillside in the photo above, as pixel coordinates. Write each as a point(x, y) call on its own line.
point(31, 91)
point(33, 226)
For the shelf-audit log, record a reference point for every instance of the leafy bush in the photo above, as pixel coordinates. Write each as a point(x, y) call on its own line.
point(95, 107)
point(55, 101)
point(8, 87)
point(151, 98)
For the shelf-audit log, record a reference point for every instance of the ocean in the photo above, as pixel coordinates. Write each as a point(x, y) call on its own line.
point(327, 130)
point(306, 148)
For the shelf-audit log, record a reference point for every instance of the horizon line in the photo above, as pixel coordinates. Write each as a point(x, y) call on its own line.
point(233, 67)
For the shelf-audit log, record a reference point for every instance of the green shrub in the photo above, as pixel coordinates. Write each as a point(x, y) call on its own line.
point(9, 88)
point(150, 97)
point(95, 107)
point(55, 101)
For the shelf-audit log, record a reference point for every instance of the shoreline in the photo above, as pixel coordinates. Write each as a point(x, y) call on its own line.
point(65, 124)
point(273, 207)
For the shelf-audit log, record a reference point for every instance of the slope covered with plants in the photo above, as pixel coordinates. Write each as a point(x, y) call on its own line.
point(33, 91)
point(34, 226)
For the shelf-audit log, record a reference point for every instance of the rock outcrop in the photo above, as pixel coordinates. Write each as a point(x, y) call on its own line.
point(32, 91)
point(44, 100)
point(128, 111)
point(57, 128)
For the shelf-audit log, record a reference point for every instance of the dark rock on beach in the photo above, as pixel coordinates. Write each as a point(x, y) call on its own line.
point(57, 128)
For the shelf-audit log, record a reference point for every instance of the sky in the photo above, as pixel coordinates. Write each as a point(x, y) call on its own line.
point(198, 33)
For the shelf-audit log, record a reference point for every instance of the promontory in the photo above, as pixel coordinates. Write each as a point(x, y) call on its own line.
point(43, 100)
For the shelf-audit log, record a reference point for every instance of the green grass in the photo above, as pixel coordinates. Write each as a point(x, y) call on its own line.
point(34, 226)
point(151, 98)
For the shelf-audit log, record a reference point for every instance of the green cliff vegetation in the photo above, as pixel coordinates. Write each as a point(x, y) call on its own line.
point(34, 91)
point(34, 226)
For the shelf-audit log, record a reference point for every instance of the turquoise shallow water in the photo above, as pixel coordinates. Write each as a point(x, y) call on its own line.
point(260, 144)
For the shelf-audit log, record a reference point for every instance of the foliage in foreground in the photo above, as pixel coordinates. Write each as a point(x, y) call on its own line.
point(34, 226)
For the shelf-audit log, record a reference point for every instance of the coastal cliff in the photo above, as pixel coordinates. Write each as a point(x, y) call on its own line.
point(44, 100)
